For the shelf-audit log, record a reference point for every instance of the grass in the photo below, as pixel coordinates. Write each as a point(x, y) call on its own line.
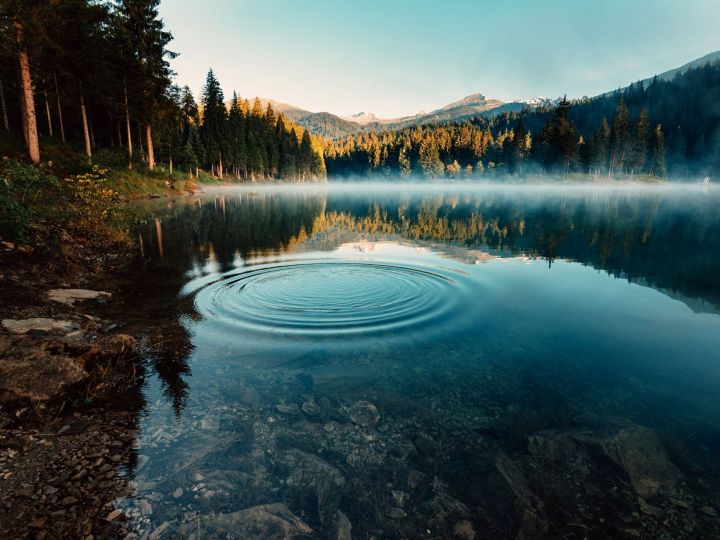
point(66, 195)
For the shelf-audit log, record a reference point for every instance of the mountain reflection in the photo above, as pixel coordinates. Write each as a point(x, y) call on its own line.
point(663, 239)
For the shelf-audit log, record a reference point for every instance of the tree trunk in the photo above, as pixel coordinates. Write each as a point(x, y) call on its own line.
point(6, 122)
point(151, 153)
point(129, 133)
point(171, 166)
point(220, 167)
point(86, 132)
point(23, 117)
point(47, 112)
point(92, 132)
point(119, 134)
point(29, 109)
point(140, 143)
point(59, 107)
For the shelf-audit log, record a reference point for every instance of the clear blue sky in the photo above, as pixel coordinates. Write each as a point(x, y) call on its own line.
point(397, 57)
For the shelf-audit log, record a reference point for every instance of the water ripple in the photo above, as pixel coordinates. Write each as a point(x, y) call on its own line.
point(324, 298)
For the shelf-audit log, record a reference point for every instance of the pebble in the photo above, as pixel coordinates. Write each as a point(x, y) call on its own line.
point(114, 514)
point(178, 493)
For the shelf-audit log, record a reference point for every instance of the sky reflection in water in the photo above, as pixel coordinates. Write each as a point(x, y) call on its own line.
point(485, 328)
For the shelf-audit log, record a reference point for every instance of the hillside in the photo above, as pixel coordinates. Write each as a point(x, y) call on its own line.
point(328, 125)
point(667, 127)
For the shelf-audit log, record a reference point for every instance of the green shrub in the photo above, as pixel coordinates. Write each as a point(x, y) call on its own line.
point(26, 193)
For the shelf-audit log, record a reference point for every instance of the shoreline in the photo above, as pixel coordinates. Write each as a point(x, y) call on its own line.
point(70, 381)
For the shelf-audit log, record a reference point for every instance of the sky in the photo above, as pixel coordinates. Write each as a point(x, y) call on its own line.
point(398, 57)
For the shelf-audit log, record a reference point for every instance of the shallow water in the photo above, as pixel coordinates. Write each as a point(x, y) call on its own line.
point(429, 362)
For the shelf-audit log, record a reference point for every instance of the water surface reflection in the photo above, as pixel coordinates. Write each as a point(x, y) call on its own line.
point(481, 363)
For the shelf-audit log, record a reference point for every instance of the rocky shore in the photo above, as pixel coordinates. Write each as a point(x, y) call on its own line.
point(64, 370)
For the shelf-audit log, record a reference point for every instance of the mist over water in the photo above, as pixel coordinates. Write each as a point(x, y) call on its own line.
point(413, 357)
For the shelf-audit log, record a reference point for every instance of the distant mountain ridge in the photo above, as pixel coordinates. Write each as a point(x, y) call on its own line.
point(333, 126)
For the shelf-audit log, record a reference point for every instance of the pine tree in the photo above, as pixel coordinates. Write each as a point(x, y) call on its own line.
point(560, 138)
point(599, 148)
point(640, 142)
point(143, 41)
point(657, 164)
point(214, 122)
point(619, 141)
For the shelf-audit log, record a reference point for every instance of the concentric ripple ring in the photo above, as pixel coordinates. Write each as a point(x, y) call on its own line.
point(322, 298)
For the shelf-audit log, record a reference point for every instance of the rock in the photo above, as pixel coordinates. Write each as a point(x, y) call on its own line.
point(116, 345)
point(159, 530)
point(311, 408)
point(208, 424)
point(364, 414)
point(70, 296)
point(400, 497)
point(23, 326)
point(635, 449)
point(533, 519)
point(114, 514)
point(36, 373)
point(709, 511)
point(342, 526)
point(145, 508)
point(10, 246)
point(442, 508)
point(464, 529)
point(269, 521)
point(309, 470)
point(290, 410)
point(178, 493)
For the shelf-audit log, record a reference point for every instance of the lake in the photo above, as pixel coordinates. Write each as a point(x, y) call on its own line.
point(377, 361)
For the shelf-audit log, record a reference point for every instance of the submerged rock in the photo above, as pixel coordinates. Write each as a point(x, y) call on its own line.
point(635, 449)
point(308, 469)
point(270, 521)
point(464, 529)
point(342, 526)
point(364, 414)
point(70, 296)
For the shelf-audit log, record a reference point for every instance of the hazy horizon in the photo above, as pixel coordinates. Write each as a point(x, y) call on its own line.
point(396, 60)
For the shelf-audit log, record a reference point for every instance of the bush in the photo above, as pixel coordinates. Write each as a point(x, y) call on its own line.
point(26, 193)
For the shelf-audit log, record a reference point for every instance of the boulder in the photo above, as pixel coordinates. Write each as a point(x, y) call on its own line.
point(36, 373)
point(342, 526)
point(269, 521)
point(23, 326)
point(309, 470)
point(70, 296)
point(42, 370)
point(634, 449)
point(364, 414)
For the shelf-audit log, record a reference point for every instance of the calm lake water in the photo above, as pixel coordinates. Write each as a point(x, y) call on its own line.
point(447, 361)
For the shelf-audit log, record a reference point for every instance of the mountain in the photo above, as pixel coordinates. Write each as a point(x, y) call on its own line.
point(466, 107)
point(703, 61)
point(332, 126)
point(669, 75)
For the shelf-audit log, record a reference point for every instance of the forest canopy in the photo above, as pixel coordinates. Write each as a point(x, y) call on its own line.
point(95, 75)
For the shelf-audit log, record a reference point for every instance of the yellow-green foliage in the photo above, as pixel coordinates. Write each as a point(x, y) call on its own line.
point(93, 203)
